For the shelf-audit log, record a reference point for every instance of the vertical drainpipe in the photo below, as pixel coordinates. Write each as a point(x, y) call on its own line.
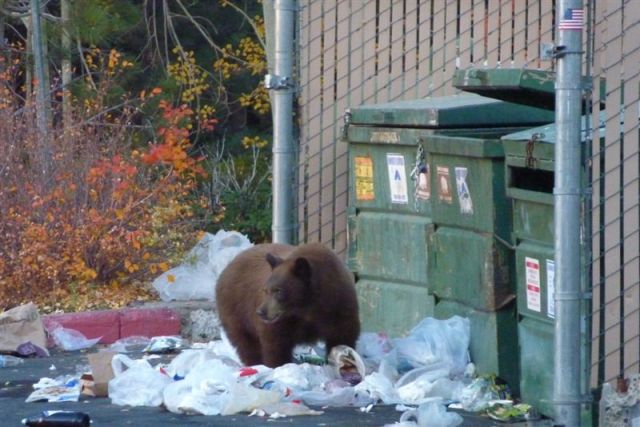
point(281, 87)
point(567, 197)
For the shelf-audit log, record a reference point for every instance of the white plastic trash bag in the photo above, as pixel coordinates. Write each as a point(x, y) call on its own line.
point(196, 277)
point(136, 382)
point(205, 388)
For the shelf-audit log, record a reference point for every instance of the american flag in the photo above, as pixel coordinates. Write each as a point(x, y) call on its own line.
point(572, 19)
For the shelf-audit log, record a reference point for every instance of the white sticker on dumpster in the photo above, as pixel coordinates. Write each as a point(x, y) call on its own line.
point(464, 195)
point(397, 178)
point(551, 275)
point(532, 275)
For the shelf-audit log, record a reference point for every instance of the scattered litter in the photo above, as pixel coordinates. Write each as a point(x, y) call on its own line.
point(59, 418)
point(100, 365)
point(7, 361)
point(479, 394)
point(429, 414)
point(314, 355)
point(62, 389)
point(70, 339)
point(372, 347)
point(163, 344)
point(28, 349)
point(22, 331)
point(130, 344)
point(420, 373)
point(195, 278)
point(288, 409)
point(347, 363)
point(507, 411)
point(367, 409)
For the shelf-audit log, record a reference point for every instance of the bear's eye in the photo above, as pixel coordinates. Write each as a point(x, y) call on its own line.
point(278, 293)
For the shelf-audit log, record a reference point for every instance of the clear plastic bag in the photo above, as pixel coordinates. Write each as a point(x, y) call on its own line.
point(435, 341)
point(70, 339)
point(130, 344)
point(421, 384)
point(136, 382)
point(372, 347)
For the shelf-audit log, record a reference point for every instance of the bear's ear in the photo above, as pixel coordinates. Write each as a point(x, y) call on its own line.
point(273, 260)
point(302, 269)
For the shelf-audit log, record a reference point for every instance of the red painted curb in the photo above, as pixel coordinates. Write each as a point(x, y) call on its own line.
point(92, 324)
point(149, 322)
point(112, 325)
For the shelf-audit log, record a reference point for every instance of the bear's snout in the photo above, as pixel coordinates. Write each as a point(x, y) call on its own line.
point(267, 313)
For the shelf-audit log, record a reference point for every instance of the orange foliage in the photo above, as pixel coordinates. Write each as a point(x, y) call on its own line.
point(107, 219)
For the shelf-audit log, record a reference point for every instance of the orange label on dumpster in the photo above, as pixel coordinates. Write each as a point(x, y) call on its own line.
point(444, 184)
point(364, 178)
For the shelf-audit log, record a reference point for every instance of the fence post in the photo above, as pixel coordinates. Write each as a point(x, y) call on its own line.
point(568, 296)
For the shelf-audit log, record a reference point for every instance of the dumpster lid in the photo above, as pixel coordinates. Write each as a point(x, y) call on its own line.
point(465, 147)
point(455, 111)
point(547, 133)
point(523, 86)
point(519, 85)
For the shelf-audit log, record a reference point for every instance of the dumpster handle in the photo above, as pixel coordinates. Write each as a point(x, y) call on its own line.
point(504, 242)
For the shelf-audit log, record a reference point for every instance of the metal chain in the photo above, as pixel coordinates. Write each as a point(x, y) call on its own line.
point(530, 161)
point(415, 172)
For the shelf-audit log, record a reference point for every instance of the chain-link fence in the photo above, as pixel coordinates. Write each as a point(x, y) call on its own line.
point(355, 52)
point(616, 192)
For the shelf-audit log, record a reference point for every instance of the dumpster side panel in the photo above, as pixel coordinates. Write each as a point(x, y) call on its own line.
point(392, 307)
point(391, 246)
point(470, 268)
point(533, 221)
point(536, 363)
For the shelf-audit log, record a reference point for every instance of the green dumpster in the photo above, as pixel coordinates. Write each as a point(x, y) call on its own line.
point(391, 202)
point(472, 219)
point(529, 183)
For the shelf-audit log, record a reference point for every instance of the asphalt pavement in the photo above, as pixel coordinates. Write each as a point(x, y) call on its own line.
point(16, 383)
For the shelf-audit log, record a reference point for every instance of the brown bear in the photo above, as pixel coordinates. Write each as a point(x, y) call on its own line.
point(273, 297)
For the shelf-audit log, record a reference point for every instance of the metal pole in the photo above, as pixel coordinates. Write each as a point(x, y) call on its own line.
point(42, 91)
point(568, 296)
point(281, 90)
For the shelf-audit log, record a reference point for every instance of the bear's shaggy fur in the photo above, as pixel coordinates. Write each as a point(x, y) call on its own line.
point(273, 297)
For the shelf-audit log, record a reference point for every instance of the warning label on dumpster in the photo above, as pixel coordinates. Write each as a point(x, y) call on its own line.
point(364, 178)
point(532, 275)
point(397, 178)
point(551, 275)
